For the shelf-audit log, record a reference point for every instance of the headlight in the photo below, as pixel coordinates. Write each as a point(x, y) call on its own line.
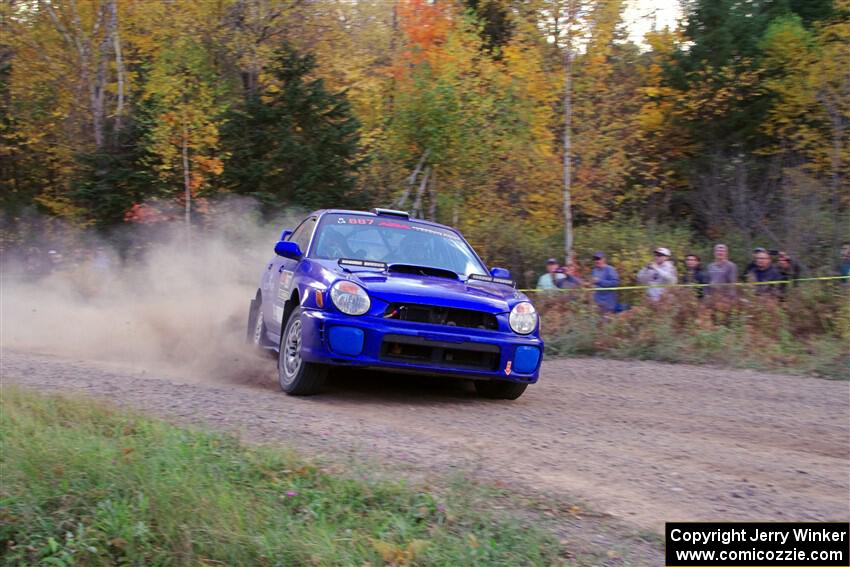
point(523, 318)
point(350, 298)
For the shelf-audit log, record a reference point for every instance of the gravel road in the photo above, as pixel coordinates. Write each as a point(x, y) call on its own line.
point(640, 442)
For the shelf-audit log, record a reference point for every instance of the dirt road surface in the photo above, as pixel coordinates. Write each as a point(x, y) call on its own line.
point(642, 442)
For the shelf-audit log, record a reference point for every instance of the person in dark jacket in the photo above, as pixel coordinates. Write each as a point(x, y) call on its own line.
point(604, 275)
point(752, 264)
point(789, 270)
point(694, 274)
point(844, 265)
point(764, 271)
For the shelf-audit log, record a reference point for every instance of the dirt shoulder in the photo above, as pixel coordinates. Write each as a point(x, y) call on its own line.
point(640, 442)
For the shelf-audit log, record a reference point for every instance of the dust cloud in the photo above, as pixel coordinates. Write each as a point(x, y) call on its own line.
point(161, 301)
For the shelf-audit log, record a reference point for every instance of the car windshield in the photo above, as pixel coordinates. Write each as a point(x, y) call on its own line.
point(394, 241)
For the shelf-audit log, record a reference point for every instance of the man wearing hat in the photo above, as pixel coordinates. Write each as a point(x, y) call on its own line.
point(604, 275)
point(659, 272)
point(552, 277)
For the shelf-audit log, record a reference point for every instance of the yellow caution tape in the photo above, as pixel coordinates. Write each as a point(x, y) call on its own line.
point(621, 288)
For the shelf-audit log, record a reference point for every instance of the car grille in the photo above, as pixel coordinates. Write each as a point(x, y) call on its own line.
point(436, 315)
point(417, 350)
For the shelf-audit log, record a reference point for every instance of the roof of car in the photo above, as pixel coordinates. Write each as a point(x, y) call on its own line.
point(372, 214)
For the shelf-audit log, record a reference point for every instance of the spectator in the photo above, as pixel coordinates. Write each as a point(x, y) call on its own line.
point(722, 274)
point(788, 269)
point(764, 272)
point(604, 275)
point(552, 277)
point(844, 266)
point(571, 279)
point(55, 260)
point(37, 265)
point(659, 272)
point(752, 264)
point(694, 274)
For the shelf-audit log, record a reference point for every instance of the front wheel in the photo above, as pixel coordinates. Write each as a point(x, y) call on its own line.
point(256, 325)
point(296, 376)
point(500, 389)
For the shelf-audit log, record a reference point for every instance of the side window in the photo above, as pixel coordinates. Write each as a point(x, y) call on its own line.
point(302, 234)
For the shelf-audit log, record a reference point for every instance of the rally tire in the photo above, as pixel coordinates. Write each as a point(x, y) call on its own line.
point(500, 389)
point(296, 376)
point(256, 331)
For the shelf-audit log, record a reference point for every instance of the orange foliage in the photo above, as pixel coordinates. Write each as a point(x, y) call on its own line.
point(425, 26)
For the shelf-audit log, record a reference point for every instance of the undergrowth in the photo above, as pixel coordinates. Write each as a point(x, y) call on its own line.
point(808, 333)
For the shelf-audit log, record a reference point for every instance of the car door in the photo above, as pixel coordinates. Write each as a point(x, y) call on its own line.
point(284, 275)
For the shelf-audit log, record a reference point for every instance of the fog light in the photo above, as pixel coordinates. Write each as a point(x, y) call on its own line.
point(346, 340)
point(526, 359)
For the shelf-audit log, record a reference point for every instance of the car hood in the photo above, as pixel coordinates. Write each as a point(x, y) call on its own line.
point(395, 287)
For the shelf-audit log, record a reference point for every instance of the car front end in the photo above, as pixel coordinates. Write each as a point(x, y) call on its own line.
point(423, 323)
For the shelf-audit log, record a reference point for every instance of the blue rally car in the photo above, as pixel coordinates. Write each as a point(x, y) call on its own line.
point(383, 291)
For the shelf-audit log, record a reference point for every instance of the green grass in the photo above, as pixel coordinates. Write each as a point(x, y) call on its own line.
point(87, 484)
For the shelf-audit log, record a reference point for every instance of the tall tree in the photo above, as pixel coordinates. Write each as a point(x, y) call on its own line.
point(184, 140)
point(295, 143)
point(605, 111)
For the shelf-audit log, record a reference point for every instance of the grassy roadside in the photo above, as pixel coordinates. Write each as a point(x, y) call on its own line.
point(84, 483)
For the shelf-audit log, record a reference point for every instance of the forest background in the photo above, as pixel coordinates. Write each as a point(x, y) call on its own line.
point(481, 114)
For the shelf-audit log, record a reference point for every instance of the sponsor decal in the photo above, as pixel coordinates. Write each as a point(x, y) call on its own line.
point(451, 235)
point(390, 224)
point(508, 368)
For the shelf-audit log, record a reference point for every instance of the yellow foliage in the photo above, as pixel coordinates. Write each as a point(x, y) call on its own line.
point(394, 554)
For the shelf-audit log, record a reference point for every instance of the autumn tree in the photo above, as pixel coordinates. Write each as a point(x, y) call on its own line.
point(473, 131)
point(806, 72)
point(183, 143)
point(604, 113)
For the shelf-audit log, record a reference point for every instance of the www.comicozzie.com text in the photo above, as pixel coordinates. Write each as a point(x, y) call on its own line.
point(742, 534)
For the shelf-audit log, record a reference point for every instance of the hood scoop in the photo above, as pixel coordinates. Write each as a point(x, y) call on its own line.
point(422, 271)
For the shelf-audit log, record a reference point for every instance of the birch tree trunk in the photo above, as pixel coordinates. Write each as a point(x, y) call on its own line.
point(76, 39)
point(573, 8)
point(568, 124)
point(432, 194)
point(187, 185)
point(119, 65)
point(417, 204)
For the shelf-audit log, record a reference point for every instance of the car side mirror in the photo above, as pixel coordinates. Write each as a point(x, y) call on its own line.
point(288, 249)
point(500, 273)
point(285, 234)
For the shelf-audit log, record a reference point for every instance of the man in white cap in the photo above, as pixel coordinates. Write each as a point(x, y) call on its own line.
point(659, 272)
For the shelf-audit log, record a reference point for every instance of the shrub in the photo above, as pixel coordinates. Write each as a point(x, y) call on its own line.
point(807, 333)
point(629, 243)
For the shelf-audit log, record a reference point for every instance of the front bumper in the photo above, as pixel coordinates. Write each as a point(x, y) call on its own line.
point(368, 341)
